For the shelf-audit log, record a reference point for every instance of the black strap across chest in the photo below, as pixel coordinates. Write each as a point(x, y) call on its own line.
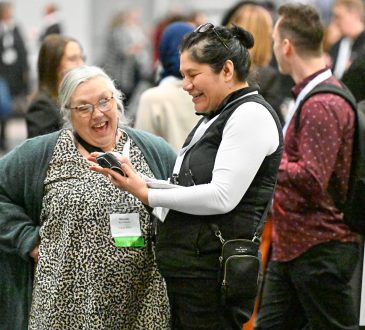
point(87, 146)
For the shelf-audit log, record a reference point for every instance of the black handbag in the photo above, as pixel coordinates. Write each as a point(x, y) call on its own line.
point(239, 269)
point(240, 265)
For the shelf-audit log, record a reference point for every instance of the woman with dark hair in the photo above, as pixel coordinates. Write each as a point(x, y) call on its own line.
point(57, 55)
point(225, 172)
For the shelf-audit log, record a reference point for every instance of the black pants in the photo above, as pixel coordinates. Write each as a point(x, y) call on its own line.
point(312, 291)
point(195, 305)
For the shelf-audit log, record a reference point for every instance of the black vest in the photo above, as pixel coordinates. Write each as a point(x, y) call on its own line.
point(186, 245)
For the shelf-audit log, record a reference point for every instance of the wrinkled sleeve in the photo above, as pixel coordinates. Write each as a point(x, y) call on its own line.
point(18, 232)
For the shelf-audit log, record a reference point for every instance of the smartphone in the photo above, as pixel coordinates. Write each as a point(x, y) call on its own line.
point(108, 160)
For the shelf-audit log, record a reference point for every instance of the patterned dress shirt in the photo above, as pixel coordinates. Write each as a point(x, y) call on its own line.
point(316, 157)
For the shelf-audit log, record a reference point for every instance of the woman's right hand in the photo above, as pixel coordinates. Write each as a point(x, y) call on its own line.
point(131, 182)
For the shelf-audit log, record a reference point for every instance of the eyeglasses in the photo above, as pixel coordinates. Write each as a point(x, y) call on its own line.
point(207, 27)
point(84, 110)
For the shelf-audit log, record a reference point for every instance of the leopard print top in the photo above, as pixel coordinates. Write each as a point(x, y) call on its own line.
point(82, 280)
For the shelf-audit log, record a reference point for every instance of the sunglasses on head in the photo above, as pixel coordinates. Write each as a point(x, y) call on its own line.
point(208, 27)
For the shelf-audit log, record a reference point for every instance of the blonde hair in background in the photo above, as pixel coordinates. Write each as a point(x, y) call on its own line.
point(257, 20)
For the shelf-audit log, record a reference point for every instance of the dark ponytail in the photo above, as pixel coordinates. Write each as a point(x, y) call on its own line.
point(245, 37)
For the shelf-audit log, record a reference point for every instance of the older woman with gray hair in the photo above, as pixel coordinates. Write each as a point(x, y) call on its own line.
point(89, 244)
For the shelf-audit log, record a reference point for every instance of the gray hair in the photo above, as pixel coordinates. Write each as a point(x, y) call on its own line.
point(79, 75)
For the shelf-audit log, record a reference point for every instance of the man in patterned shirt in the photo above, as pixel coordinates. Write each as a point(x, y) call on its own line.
point(314, 253)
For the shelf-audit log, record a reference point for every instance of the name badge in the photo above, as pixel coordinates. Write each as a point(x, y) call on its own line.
point(126, 230)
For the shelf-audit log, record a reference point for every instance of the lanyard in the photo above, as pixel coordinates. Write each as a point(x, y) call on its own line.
point(199, 133)
point(313, 83)
point(90, 148)
point(127, 145)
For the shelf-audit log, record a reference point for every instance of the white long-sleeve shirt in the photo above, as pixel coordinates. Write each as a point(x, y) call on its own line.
point(249, 136)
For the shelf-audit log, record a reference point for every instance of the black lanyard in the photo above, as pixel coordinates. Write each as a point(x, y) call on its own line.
point(88, 147)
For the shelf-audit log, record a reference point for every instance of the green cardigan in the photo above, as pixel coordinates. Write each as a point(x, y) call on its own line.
point(23, 171)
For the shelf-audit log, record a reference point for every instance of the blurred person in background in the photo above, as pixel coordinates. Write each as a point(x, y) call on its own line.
point(157, 33)
point(128, 54)
point(354, 78)
point(167, 110)
point(62, 222)
point(257, 19)
point(196, 18)
point(348, 53)
point(5, 101)
point(57, 55)
point(52, 23)
point(13, 65)
point(348, 15)
point(332, 34)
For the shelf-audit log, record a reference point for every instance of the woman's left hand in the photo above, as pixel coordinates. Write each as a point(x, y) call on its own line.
point(35, 253)
point(131, 182)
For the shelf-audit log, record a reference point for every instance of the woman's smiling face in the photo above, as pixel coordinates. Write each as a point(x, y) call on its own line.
point(97, 128)
point(207, 88)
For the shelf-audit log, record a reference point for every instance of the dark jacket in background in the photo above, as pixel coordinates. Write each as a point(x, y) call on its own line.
point(269, 81)
point(43, 116)
point(357, 47)
point(55, 28)
point(353, 77)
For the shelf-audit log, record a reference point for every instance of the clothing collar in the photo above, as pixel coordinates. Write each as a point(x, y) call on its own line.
point(298, 87)
point(229, 98)
point(168, 80)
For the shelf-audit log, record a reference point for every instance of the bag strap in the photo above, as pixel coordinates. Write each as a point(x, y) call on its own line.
point(214, 227)
point(342, 91)
point(257, 236)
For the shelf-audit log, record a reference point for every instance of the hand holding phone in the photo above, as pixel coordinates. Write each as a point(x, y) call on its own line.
point(108, 160)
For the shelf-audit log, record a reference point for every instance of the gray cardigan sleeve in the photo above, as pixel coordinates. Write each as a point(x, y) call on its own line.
point(21, 190)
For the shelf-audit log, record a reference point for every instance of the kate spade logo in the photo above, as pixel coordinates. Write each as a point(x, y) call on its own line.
point(241, 249)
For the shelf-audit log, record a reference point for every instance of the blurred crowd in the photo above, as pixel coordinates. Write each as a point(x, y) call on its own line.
point(145, 68)
point(131, 56)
